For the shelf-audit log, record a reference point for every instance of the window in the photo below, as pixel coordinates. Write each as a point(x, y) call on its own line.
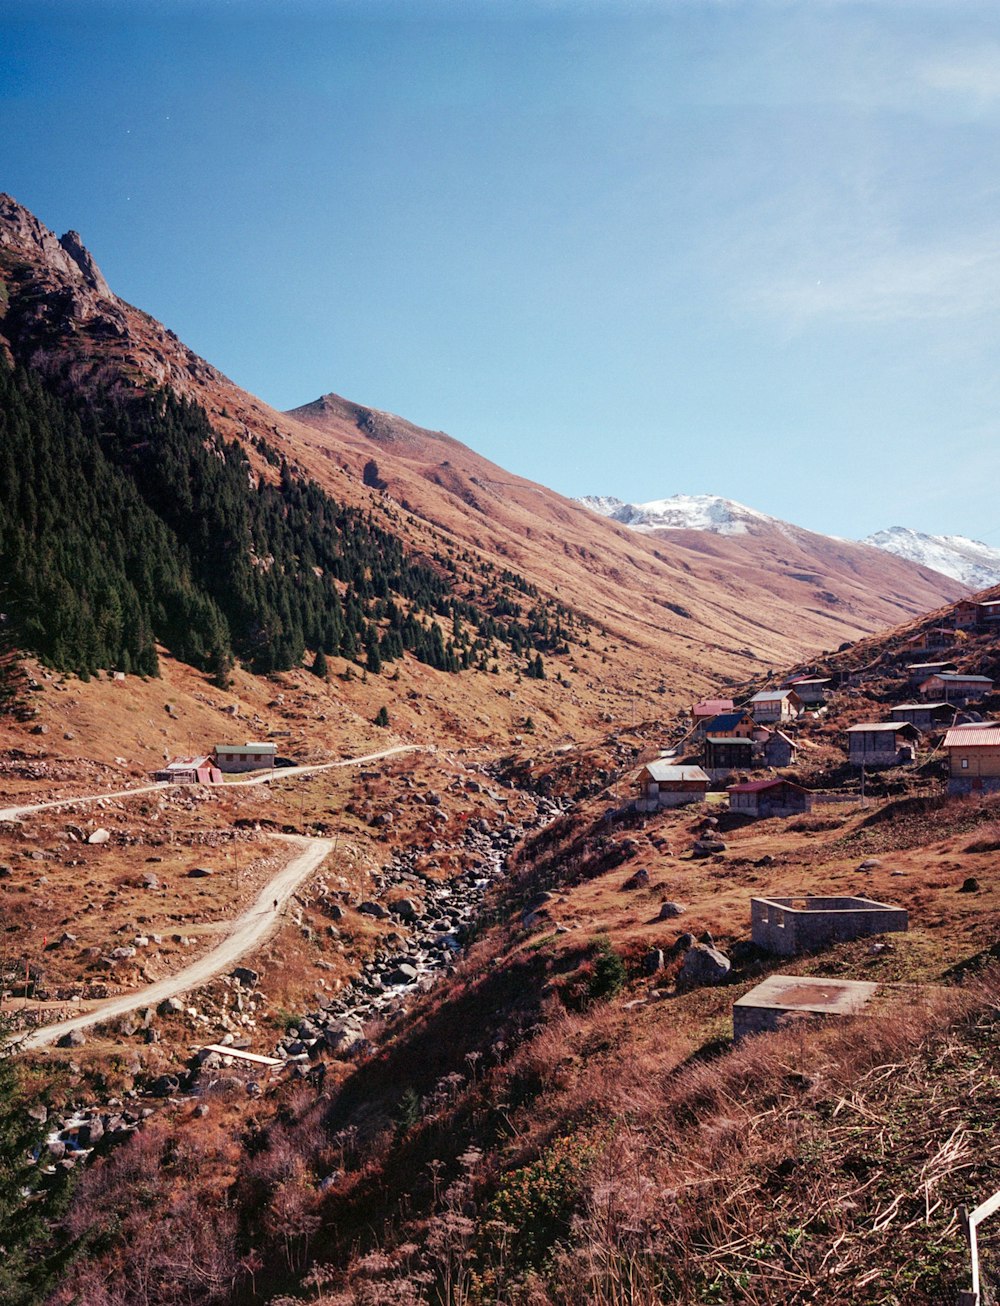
point(965, 764)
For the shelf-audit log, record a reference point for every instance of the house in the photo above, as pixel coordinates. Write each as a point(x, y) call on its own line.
point(972, 614)
point(955, 686)
point(662, 784)
point(707, 709)
point(764, 798)
point(731, 725)
point(244, 757)
point(775, 705)
point(189, 771)
point(973, 757)
point(882, 743)
point(928, 641)
point(780, 750)
point(811, 689)
point(919, 671)
point(925, 716)
point(727, 753)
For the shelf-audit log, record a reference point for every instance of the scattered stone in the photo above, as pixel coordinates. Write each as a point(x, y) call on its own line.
point(402, 974)
point(640, 880)
point(199, 873)
point(870, 863)
point(170, 1007)
point(652, 961)
point(164, 1086)
point(374, 909)
point(200, 1111)
point(100, 835)
point(970, 885)
point(245, 977)
point(702, 965)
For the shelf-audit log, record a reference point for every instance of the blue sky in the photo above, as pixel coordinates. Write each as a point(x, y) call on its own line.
point(631, 248)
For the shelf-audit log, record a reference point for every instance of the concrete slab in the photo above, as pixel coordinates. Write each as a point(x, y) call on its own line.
point(781, 998)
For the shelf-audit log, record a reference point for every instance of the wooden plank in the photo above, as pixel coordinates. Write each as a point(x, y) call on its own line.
point(985, 1209)
point(240, 1055)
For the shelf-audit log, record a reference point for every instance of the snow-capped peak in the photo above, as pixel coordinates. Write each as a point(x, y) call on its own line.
point(970, 561)
point(681, 512)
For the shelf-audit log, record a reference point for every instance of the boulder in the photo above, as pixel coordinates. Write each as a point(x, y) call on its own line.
point(970, 885)
point(199, 873)
point(374, 909)
point(343, 1036)
point(245, 977)
point(170, 1007)
point(668, 910)
point(73, 1039)
point(402, 974)
point(652, 961)
point(702, 965)
point(164, 1086)
point(640, 880)
point(99, 836)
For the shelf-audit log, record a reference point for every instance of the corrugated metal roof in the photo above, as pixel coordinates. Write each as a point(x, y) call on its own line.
point(713, 705)
point(894, 726)
point(728, 739)
point(771, 695)
point(918, 707)
point(951, 676)
point(755, 786)
point(981, 735)
point(246, 748)
point(663, 773)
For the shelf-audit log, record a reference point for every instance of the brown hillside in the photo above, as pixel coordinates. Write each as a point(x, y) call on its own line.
point(688, 610)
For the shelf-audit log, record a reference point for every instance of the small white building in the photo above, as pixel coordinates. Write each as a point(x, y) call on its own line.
point(244, 757)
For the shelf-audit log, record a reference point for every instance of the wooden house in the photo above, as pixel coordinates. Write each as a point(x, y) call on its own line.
point(812, 690)
point(972, 614)
point(919, 671)
point(189, 771)
point(244, 757)
point(925, 716)
point(929, 641)
point(763, 798)
point(955, 687)
point(973, 757)
point(775, 705)
point(780, 750)
point(707, 710)
point(662, 784)
point(731, 725)
point(882, 743)
point(725, 753)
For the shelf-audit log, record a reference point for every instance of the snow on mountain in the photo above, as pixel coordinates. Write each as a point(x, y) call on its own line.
point(681, 512)
point(970, 561)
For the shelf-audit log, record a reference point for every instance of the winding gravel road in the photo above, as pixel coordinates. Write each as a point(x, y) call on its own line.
point(247, 931)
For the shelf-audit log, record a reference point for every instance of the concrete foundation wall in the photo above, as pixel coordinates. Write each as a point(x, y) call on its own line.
point(961, 786)
point(787, 926)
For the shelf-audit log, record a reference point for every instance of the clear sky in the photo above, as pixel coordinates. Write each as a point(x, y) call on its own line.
point(629, 248)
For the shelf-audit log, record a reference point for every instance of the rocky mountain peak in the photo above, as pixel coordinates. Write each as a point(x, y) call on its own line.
point(67, 257)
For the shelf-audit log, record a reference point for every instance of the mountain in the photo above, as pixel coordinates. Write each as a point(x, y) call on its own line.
point(969, 561)
point(676, 609)
point(692, 512)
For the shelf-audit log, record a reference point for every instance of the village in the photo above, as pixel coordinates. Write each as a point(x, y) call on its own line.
point(918, 719)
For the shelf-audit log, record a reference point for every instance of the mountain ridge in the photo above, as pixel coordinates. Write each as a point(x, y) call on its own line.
point(682, 614)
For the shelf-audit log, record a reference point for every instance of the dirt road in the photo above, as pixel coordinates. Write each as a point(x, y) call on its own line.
point(247, 932)
point(264, 777)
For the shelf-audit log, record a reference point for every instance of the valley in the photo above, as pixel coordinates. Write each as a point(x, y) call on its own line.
point(435, 1004)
